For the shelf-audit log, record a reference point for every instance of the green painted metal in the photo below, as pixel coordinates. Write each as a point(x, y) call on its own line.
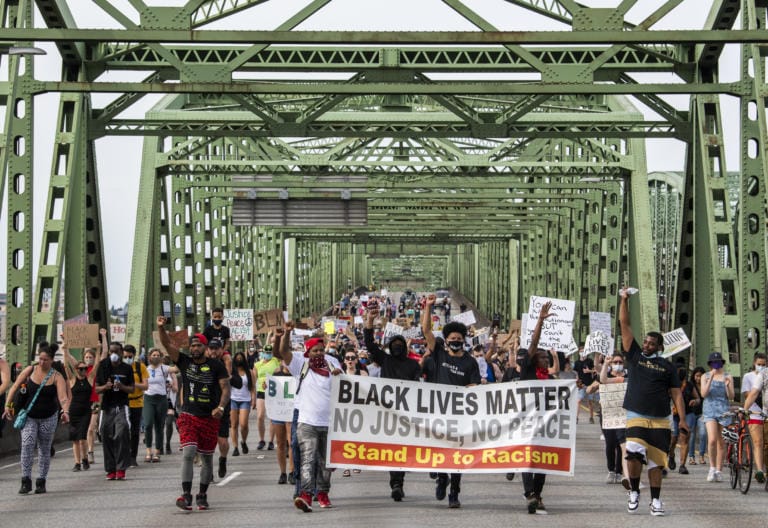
point(538, 182)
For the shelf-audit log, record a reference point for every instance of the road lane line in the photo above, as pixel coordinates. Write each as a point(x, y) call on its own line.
point(17, 463)
point(229, 478)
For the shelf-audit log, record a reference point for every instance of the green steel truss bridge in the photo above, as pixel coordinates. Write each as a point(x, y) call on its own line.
point(281, 166)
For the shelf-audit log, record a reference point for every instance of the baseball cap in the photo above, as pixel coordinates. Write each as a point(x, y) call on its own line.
point(215, 343)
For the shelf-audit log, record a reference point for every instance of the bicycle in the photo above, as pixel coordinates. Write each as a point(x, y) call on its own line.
point(739, 449)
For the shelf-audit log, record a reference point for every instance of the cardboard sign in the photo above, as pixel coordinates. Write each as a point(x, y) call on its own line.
point(612, 404)
point(600, 321)
point(557, 331)
point(117, 332)
point(599, 343)
point(81, 335)
point(674, 342)
point(390, 331)
point(267, 321)
point(515, 325)
point(468, 318)
point(240, 323)
point(179, 339)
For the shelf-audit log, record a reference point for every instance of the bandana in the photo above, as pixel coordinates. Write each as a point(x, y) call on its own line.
point(319, 366)
point(542, 373)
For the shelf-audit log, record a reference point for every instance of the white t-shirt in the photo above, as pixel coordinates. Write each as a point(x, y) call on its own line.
point(759, 382)
point(313, 399)
point(156, 380)
point(243, 394)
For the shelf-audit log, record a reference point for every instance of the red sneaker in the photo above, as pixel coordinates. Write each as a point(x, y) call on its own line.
point(111, 476)
point(184, 502)
point(303, 502)
point(120, 474)
point(323, 500)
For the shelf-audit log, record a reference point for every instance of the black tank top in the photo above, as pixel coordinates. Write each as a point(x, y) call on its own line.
point(81, 398)
point(47, 403)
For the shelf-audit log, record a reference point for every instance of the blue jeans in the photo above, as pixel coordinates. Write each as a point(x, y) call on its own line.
point(313, 441)
point(698, 432)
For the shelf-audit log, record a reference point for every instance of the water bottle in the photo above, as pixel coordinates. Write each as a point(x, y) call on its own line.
point(115, 382)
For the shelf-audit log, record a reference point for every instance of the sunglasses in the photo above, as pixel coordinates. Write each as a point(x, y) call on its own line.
point(350, 358)
point(82, 369)
point(617, 363)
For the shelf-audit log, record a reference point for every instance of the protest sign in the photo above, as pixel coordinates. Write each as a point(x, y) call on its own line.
point(386, 424)
point(468, 318)
point(81, 335)
point(297, 340)
point(358, 319)
point(117, 332)
point(329, 327)
point(179, 338)
point(240, 323)
point(557, 330)
point(303, 332)
point(267, 321)
point(391, 330)
point(612, 401)
point(674, 342)
point(341, 325)
point(600, 321)
point(279, 396)
point(599, 343)
point(515, 325)
point(412, 333)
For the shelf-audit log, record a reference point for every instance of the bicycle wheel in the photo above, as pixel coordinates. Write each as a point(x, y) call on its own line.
point(745, 464)
point(733, 465)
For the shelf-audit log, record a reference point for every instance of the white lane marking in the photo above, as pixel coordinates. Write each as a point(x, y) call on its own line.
point(229, 478)
point(17, 463)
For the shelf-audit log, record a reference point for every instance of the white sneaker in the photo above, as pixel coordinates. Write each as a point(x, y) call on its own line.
point(718, 476)
point(633, 502)
point(711, 475)
point(657, 508)
point(611, 478)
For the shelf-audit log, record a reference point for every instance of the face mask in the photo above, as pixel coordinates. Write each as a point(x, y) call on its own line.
point(617, 368)
point(217, 322)
point(455, 346)
point(155, 360)
point(128, 361)
point(240, 363)
point(114, 358)
point(89, 362)
point(716, 364)
point(759, 368)
point(363, 361)
point(266, 356)
point(331, 351)
point(397, 349)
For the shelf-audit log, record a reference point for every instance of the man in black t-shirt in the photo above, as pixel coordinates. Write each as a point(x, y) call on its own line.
point(114, 381)
point(648, 406)
point(217, 330)
point(452, 366)
point(205, 389)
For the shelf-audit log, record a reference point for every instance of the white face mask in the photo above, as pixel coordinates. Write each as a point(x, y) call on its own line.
point(759, 368)
point(128, 361)
point(114, 358)
point(617, 368)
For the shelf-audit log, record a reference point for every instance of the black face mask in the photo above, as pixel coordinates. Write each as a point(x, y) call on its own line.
point(397, 349)
point(455, 346)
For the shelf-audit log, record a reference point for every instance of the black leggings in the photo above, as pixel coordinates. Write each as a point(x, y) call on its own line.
point(533, 484)
point(613, 440)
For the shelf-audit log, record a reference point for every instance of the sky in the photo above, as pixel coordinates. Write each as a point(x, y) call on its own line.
point(119, 158)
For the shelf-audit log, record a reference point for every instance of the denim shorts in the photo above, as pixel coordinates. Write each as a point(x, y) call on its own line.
point(239, 405)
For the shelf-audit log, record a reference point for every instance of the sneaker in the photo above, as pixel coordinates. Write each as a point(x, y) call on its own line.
point(120, 474)
point(291, 479)
point(657, 508)
point(201, 500)
point(236, 452)
point(86, 464)
point(711, 475)
point(433, 476)
point(261, 445)
point(90, 457)
point(683, 470)
point(760, 476)
point(453, 500)
point(672, 464)
point(441, 487)
point(633, 501)
point(664, 473)
point(397, 493)
point(510, 476)
point(323, 500)
point(76, 468)
point(691, 461)
point(133, 462)
point(271, 446)
point(718, 476)
point(222, 467)
point(283, 479)
point(303, 502)
point(540, 508)
point(185, 501)
point(111, 476)
point(611, 478)
point(533, 503)
point(244, 446)
point(346, 473)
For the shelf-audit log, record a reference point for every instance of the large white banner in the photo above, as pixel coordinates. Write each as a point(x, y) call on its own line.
point(385, 424)
point(557, 331)
point(278, 400)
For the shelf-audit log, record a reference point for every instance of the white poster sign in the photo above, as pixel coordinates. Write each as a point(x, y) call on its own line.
point(279, 396)
point(600, 321)
point(240, 323)
point(468, 318)
point(612, 401)
point(117, 332)
point(674, 342)
point(557, 331)
point(599, 343)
